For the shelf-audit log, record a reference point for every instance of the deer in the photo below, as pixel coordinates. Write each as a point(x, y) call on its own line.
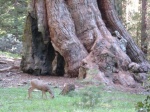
point(39, 85)
point(67, 88)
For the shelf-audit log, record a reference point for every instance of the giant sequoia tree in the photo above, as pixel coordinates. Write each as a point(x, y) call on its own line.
point(78, 33)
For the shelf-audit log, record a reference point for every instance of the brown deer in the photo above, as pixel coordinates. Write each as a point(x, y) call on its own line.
point(39, 85)
point(67, 88)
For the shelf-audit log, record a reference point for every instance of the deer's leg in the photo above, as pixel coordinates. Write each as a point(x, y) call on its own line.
point(29, 92)
point(44, 93)
point(51, 93)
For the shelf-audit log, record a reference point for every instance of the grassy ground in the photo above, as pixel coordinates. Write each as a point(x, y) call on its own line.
point(9, 55)
point(15, 100)
point(86, 100)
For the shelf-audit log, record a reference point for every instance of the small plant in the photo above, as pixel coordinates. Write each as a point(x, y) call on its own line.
point(72, 94)
point(146, 84)
point(144, 106)
point(90, 98)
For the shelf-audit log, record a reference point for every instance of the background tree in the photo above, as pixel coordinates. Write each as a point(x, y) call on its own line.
point(144, 38)
point(131, 18)
point(13, 13)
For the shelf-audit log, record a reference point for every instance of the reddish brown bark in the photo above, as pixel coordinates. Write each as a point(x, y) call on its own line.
point(63, 36)
point(81, 31)
point(113, 23)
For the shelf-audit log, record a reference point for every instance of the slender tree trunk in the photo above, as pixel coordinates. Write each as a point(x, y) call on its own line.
point(118, 7)
point(16, 20)
point(144, 40)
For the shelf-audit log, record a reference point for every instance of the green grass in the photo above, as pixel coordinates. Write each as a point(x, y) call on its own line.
point(9, 55)
point(15, 100)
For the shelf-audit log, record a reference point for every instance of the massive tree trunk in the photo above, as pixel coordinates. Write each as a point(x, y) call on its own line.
point(81, 32)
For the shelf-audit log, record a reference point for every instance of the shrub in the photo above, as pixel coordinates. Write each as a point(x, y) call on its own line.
point(144, 106)
point(89, 98)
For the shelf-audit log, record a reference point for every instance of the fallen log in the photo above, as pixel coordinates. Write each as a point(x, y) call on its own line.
point(9, 68)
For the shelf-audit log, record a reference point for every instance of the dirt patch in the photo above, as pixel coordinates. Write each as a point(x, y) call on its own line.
point(15, 77)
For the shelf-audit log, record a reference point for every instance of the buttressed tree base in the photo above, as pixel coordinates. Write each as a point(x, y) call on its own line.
point(80, 33)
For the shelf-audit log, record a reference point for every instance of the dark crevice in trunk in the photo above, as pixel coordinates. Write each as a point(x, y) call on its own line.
point(60, 71)
point(42, 54)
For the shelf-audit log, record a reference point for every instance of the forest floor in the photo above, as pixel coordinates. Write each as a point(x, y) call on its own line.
point(15, 77)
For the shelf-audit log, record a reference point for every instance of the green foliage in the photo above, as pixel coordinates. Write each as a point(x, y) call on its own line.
point(144, 106)
point(90, 98)
point(146, 84)
point(12, 17)
point(9, 55)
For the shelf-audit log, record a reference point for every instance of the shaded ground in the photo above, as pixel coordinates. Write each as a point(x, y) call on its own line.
point(15, 77)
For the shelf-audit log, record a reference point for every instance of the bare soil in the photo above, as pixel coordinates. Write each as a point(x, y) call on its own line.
point(15, 77)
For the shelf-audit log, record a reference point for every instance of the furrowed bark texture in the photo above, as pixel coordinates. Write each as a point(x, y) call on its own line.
point(91, 29)
point(80, 32)
point(38, 52)
point(113, 23)
point(63, 35)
